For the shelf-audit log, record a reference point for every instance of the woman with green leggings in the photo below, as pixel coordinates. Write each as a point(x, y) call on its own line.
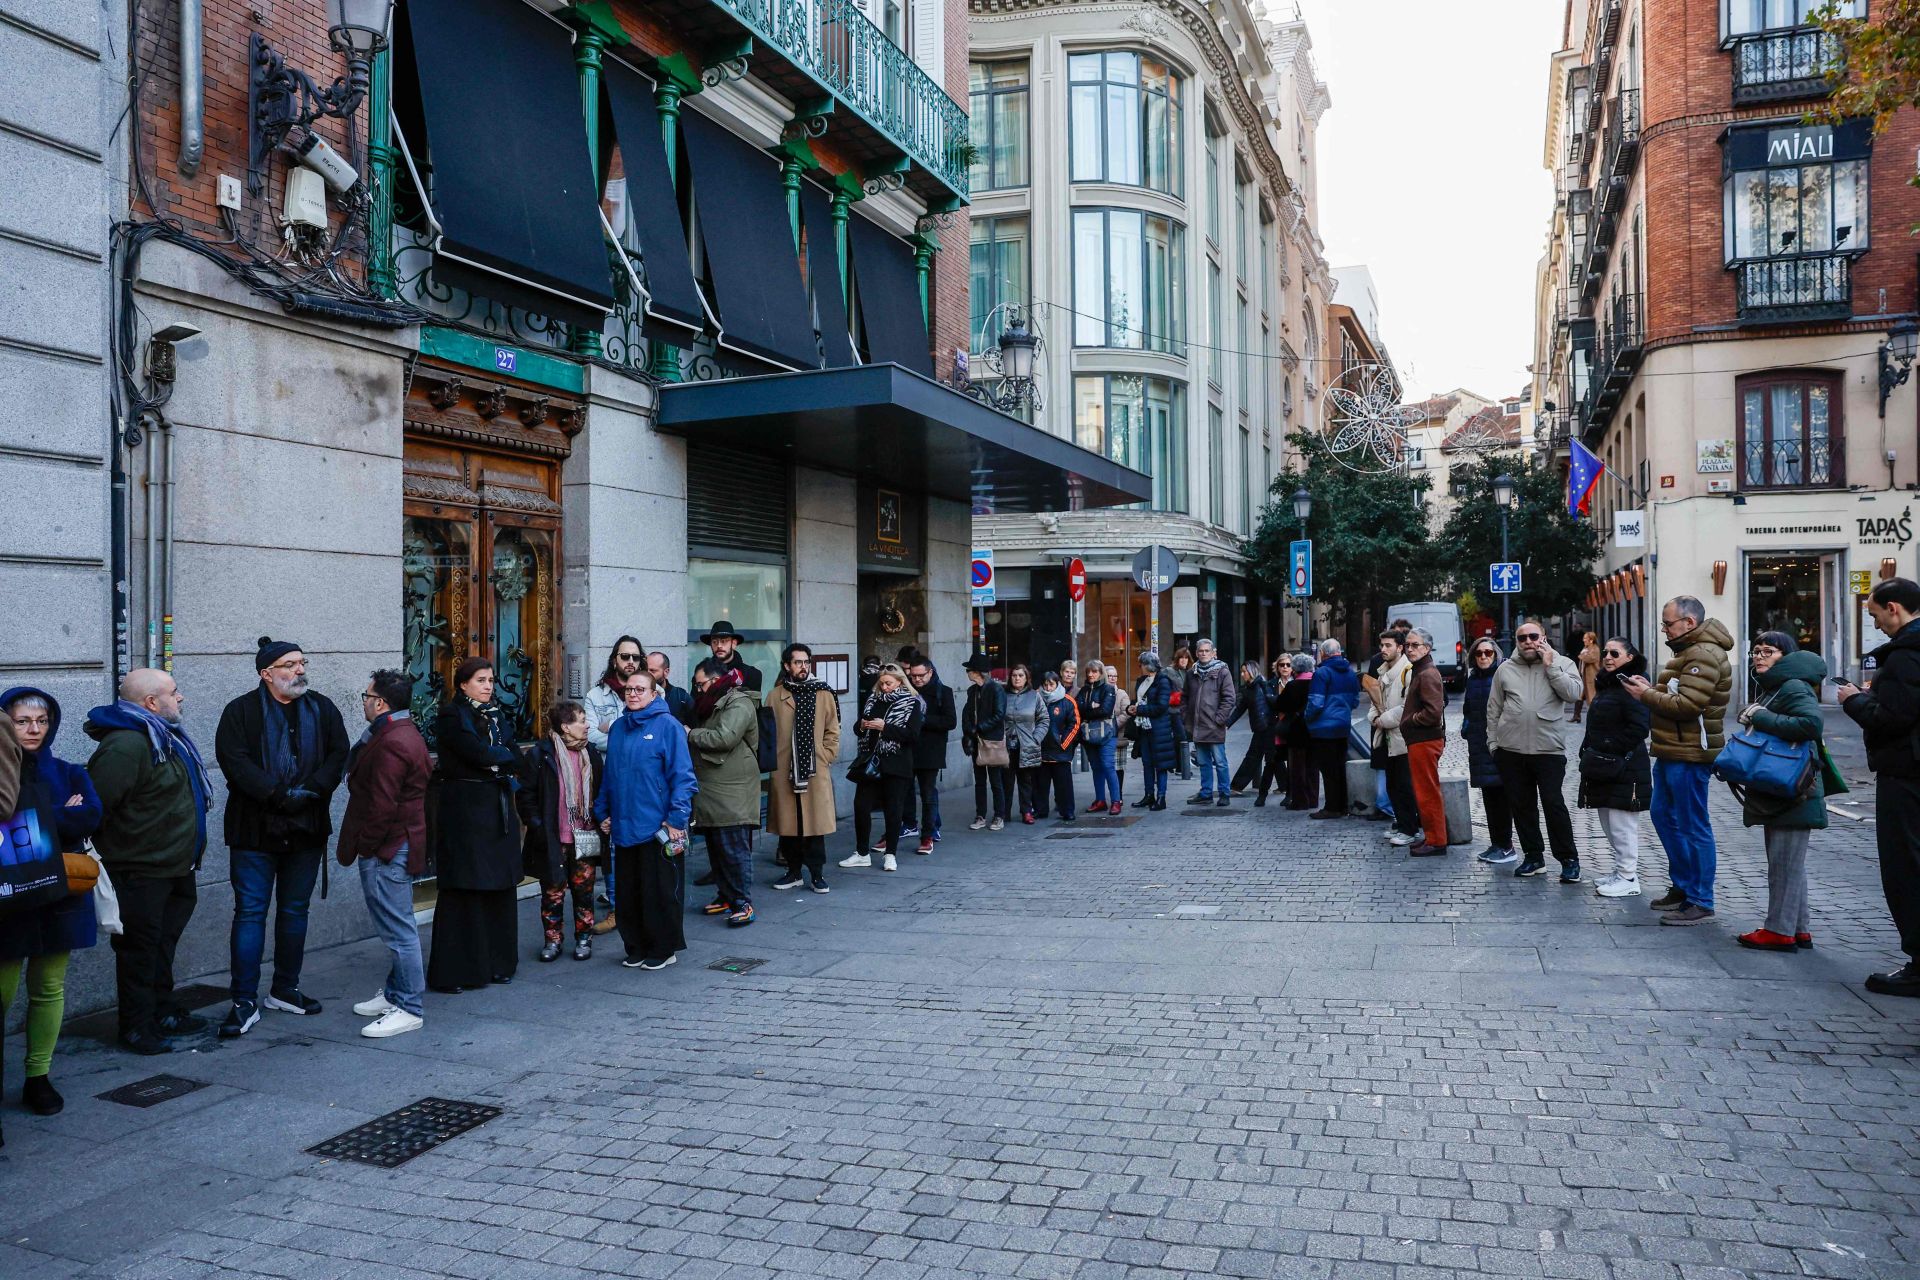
point(38, 941)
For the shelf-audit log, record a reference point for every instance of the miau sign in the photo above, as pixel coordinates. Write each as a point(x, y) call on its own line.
point(1797, 146)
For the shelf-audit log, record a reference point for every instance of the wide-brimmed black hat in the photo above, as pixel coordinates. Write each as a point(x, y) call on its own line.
point(978, 662)
point(722, 628)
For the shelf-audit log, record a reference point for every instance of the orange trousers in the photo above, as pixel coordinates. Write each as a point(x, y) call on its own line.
point(1423, 761)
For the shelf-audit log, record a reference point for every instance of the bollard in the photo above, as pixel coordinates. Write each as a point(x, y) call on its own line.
point(1453, 791)
point(1360, 786)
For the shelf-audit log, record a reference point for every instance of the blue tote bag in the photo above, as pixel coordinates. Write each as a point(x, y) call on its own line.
point(1761, 764)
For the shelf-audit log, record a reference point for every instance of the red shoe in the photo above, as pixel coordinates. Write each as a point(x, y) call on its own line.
point(1761, 940)
point(718, 907)
point(1804, 941)
point(1027, 818)
point(1116, 808)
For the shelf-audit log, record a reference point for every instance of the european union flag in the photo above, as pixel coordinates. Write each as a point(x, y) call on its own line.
point(1582, 475)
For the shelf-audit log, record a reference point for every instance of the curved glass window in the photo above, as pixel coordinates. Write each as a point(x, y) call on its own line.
point(1129, 281)
point(1140, 423)
point(1125, 112)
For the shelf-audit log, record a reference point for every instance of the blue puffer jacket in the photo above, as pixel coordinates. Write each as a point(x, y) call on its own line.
point(68, 924)
point(1331, 698)
point(649, 782)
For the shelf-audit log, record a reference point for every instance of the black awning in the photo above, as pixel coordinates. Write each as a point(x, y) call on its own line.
point(893, 426)
point(651, 203)
point(749, 244)
point(889, 291)
point(512, 181)
point(823, 265)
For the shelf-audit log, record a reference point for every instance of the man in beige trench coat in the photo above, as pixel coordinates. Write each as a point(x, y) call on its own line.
point(806, 718)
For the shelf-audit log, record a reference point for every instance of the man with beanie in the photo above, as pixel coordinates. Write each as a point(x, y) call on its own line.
point(283, 750)
point(152, 786)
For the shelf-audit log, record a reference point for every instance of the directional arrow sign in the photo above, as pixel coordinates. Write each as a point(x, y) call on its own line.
point(1503, 577)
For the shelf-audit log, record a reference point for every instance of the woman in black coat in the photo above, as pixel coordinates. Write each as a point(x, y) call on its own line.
point(1256, 704)
point(563, 847)
point(1616, 774)
point(478, 860)
point(1154, 741)
point(889, 725)
point(1482, 770)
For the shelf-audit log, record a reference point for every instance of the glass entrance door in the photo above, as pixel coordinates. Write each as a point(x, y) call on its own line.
point(1797, 593)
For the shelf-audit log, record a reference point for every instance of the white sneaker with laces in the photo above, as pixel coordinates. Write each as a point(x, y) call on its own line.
point(374, 1006)
point(1618, 887)
point(393, 1022)
point(888, 864)
point(857, 860)
point(1399, 841)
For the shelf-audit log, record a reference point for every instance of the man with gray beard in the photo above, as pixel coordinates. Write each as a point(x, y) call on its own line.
point(283, 750)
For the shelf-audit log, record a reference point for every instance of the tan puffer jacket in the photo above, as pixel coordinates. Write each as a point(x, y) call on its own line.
point(1689, 700)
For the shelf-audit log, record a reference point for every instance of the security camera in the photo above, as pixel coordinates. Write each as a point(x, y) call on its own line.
point(328, 163)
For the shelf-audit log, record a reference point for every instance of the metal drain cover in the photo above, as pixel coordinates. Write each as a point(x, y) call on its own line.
point(152, 1090)
point(1079, 835)
point(399, 1136)
point(737, 964)
point(1195, 811)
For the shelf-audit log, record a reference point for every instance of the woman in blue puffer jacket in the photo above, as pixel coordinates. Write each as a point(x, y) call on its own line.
point(1482, 771)
point(1331, 698)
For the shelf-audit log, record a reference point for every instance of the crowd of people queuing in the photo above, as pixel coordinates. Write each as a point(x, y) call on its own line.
point(605, 800)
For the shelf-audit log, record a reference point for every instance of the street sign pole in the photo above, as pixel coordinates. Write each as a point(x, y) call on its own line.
point(1153, 617)
point(1154, 570)
point(1506, 601)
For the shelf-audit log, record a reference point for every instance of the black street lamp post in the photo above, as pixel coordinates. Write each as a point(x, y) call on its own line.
point(1503, 497)
point(1303, 508)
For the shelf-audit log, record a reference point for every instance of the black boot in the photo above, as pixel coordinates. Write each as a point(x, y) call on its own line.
point(41, 1097)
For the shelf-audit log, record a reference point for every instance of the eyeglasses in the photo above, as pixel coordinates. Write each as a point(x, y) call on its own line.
point(289, 664)
point(371, 697)
point(32, 722)
point(1418, 644)
point(1668, 626)
point(626, 657)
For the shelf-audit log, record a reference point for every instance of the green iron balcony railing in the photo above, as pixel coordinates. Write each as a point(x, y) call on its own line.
point(835, 45)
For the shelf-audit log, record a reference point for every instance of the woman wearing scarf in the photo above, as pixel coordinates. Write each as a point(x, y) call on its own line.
point(888, 725)
point(806, 719)
point(477, 854)
point(1026, 729)
point(37, 942)
point(725, 740)
point(1056, 749)
point(563, 846)
point(1098, 702)
point(1153, 740)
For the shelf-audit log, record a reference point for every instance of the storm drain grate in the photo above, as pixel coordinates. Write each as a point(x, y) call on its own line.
point(1196, 811)
point(1079, 835)
point(397, 1137)
point(152, 1090)
point(1110, 821)
point(737, 964)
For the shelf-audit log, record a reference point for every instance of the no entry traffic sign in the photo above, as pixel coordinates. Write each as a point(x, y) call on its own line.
point(1076, 580)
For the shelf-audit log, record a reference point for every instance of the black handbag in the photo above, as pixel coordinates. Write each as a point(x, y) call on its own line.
point(865, 767)
point(1600, 766)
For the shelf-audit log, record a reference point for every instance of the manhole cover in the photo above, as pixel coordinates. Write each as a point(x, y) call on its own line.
point(1079, 835)
point(737, 964)
point(399, 1136)
point(154, 1089)
point(1197, 811)
point(1127, 821)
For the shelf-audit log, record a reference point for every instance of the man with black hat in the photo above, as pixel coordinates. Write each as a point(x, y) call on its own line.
point(283, 750)
point(725, 643)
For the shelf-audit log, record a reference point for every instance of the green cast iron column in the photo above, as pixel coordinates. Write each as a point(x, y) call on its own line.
point(665, 364)
point(598, 29)
point(380, 159)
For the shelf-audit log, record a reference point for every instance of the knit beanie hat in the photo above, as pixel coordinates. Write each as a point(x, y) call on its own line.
point(271, 651)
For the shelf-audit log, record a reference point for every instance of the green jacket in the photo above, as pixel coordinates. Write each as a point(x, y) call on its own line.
point(1790, 711)
point(150, 827)
point(726, 749)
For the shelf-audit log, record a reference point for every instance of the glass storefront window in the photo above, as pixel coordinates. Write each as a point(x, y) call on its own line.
point(434, 560)
point(749, 594)
point(1125, 120)
point(1139, 423)
point(1129, 281)
point(997, 106)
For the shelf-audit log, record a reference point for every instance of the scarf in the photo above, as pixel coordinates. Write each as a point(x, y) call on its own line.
point(576, 784)
point(288, 746)
point(896, 709)
point(805, 695)
point(1212, 664)
point(166, 741)
point(705, 702)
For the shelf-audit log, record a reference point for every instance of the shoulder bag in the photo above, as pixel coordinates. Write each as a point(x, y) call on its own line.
point(1758, 763)
point(991, 753)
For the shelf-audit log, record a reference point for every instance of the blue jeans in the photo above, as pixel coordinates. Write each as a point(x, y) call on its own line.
point(1381, 800)
point(389, 893)
point(287, 879)
point(1213, 767)
point(1106, 779)
point(1680, 820)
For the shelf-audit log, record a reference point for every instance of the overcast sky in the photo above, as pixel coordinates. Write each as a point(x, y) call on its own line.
point(1430, 174)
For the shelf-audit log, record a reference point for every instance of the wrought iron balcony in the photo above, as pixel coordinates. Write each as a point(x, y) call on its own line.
point(1623, 134)
point(804, 49)
point(1790, 290)
point(1809, 462)
point(1775, 66)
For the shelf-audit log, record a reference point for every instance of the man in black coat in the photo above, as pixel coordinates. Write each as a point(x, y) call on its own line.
point(679, 701)
point(283, 750)
point(1889, 714)
point(724, 643)
point(930, 748)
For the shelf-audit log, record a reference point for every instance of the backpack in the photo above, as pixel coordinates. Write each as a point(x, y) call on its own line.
point(767, 749)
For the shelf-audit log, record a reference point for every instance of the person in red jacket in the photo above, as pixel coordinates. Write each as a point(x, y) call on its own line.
point(385, 831)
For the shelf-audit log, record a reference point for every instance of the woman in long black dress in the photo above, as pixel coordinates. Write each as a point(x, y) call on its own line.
point(477, 843)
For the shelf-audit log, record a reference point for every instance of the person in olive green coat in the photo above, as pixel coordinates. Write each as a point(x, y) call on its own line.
point(1789, 681)
point(725, 740)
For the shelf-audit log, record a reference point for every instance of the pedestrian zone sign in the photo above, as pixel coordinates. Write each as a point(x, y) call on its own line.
point(1503, 577)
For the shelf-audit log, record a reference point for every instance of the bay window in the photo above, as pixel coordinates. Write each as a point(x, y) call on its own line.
point(1796, 209)
point(1125, 120)
point(997, 117)
point(997, 276)
point(1129, 281)
point(1744, 17)
point(1790, 431)
point(1138, 422)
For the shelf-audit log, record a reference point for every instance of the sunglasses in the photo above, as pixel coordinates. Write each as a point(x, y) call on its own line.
point(1615, 653)
point(1532, 637)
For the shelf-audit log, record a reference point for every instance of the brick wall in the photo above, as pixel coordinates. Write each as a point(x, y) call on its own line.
point(949, 305)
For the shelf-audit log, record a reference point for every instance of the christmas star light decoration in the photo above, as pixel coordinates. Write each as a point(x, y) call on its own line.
point(1369, 429)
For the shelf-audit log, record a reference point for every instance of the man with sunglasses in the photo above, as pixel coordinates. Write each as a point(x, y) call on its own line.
point(1689, 708)
point(1526, 726)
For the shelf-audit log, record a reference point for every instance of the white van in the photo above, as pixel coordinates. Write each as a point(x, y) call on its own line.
point(1441, 618)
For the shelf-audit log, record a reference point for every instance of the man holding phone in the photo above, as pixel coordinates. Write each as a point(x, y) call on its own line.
point(1689, 709)
point(1888, 714)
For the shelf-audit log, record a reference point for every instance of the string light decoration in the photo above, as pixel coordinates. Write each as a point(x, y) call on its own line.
point(1368, 433)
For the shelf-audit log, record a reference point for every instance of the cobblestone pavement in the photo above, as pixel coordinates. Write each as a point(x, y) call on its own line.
point(1233, 1045)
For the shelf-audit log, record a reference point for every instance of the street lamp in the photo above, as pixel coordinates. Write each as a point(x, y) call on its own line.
point(1013, 362)
point(1302, 509)
point(1896, 358)
point(1503, 497)
point(281, 98)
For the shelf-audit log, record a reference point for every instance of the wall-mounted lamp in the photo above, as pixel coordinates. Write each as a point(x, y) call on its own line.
point(1896, 358)
point(1719, 577)
point(1889, 568)
point(281, 98)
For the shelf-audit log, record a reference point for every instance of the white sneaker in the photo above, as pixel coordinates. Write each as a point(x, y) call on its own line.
point(977, 824)
point(1618, 887)
point(857, 860)
point(997, 824)
point(1399, 841)
point(888, 864)
point(393, 1022)
point(374, 1006)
